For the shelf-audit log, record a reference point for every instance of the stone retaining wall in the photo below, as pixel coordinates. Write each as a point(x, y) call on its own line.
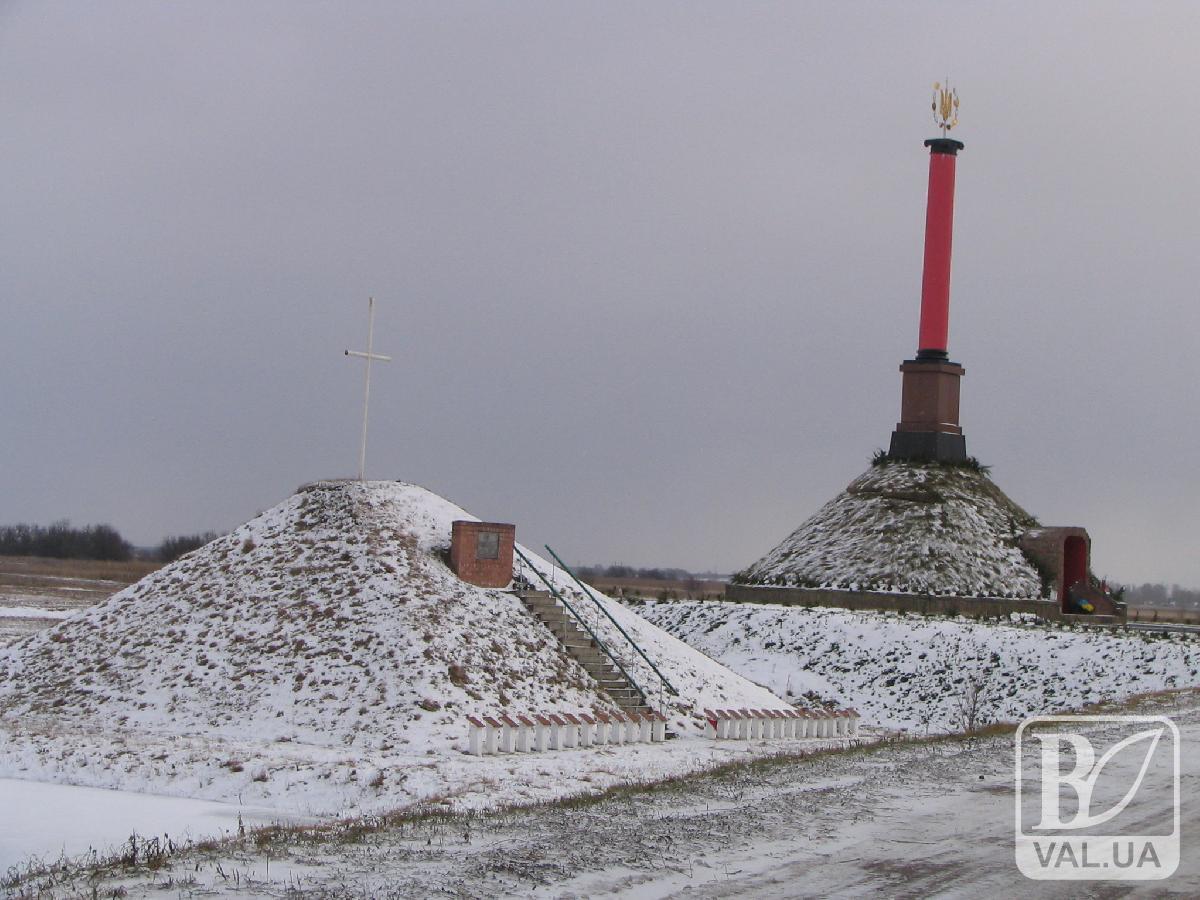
point(925, 604)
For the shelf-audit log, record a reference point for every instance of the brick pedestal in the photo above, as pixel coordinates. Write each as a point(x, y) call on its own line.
point(928, 427)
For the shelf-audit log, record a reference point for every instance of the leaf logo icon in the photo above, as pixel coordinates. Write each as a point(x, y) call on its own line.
point(1084, 775)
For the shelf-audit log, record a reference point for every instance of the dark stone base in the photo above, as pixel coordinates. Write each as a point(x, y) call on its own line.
point(932, 446)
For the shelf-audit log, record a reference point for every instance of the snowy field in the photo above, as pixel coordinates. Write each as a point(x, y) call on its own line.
point(48, 821)
point(19, 619)
point(904, 820)
point(31, 612)
point(919, 673)
point(37, 593)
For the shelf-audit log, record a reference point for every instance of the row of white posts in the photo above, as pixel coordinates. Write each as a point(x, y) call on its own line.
point(489, 735)
point(763, 724)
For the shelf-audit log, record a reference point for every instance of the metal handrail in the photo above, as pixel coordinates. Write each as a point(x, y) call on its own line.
point(599, 643)
point(661, 677)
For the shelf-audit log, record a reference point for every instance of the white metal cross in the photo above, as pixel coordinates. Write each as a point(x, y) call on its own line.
point(368, 356)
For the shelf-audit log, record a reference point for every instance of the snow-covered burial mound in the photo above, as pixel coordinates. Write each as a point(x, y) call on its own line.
point(913, 528)
point(331, 621)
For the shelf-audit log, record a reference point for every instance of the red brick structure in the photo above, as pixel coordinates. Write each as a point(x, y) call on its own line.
point(1065, 554)
point(481, 553)
point(1062, 553)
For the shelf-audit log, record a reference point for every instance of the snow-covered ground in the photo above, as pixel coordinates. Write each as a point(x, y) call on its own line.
point(31, 612)
point(447, 782)
point(902, 820)
point(917, 672)
point(49, 821)
point(322, 659)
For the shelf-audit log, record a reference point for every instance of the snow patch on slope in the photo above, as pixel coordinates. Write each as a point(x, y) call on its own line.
point(912, 672)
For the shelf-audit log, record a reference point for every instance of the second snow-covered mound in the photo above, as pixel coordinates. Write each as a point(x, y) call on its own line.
point(913, 528)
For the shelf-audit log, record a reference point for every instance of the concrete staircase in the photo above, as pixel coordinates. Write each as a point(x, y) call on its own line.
point(579, 644)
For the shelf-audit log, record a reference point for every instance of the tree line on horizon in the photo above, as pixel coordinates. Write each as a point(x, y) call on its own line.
point(656, 573)
point(1160, 596)
point(61, 540)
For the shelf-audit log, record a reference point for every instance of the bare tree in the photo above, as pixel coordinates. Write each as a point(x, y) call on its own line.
point(975, 699)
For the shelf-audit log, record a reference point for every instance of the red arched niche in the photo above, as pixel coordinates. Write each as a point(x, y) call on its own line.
point(1074, 568)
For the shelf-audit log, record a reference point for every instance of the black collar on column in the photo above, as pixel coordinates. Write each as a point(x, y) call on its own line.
point(944, 145)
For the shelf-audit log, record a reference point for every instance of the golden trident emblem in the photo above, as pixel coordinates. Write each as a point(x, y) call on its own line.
point(945, 106)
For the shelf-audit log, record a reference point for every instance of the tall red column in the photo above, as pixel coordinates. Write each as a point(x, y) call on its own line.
point(928, 430)
point(932, 342)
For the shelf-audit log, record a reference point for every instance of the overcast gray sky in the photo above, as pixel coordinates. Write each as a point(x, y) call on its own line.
point(647, 270)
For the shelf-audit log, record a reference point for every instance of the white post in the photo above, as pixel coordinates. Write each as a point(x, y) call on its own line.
point(738, 726)
point(616, 729)
point(659, 731)
point(524, 733)
point(601, 729)
point(368, 356)
point(570, 730)
point(626, 731)
point(475, 734)
point(772, 723)
point(633, 729)
point(542, 733)
point(508, 734)
point(491, 736)
point(756, 724)
point(556, 732)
